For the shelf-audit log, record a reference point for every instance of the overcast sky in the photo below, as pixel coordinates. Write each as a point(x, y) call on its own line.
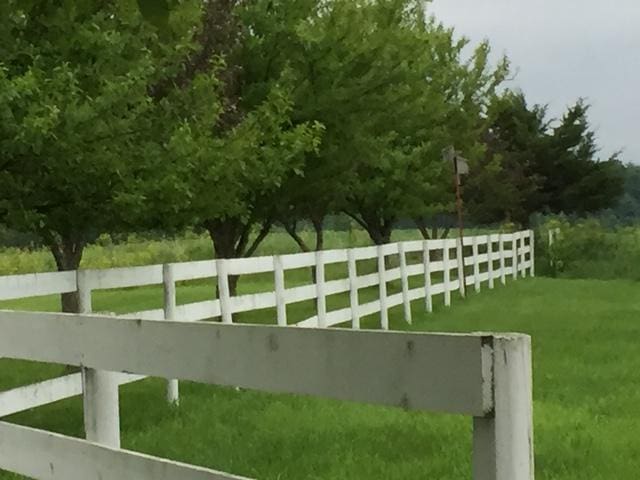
point(565, 49)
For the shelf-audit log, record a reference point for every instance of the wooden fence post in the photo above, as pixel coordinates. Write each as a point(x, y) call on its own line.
point(490, 260)
point(404, 279)
point(447, 274)
point(503, 440)
point(503, 267)
point(523, 255)
point(169, 290)
point(382, 288)
point(353, 289)
point(476, 264)
point(532, 253)
point(462, 287)
point(100, 388)
point(223, 290)
point(514, 257)
point(426, 261)
point(278, 277)
point(320, 291)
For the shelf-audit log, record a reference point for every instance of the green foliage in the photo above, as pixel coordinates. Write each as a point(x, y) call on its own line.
point(534, 164)
point(73, 90)
point(586, 249)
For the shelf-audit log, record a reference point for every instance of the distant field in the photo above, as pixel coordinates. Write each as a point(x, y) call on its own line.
point(587, 400)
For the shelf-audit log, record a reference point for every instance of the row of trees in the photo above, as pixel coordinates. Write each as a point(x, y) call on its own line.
point(233, 116)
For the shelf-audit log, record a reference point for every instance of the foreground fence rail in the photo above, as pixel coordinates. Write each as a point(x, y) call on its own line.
point(401, 273)
point(484, 376)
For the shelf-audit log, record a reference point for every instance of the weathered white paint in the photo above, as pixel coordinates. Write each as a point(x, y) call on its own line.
point(155, 314)
point(503, 273)
point(169, 307)
point(514, 256)
point(336, 286)
point(124, 277)
point(100, 388)
point(490, 260)
point(300, 294)
point(252, 301)
point(223, 291)
point(460, 264)
point(281, 301)
point(38, 394)
point(382, 287)
point(36, 284)
point(45, 455)
point(415, 269)
point(101, 408)
point(243, 266)
point(298, 260)
point(441, 372)
point(404, 277)
point(321, 302)
point(335, 256)
point(194, 270)
point(426, 261)
point(43, 393)
point(532, 256)
point(366, 253)
point(476, 264)
point(503, 441)
point(447, 279)
point(354, 302)
point(193, 312)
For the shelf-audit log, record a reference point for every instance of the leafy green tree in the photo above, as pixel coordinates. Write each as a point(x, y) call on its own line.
point(533, 164)
point(73, 96)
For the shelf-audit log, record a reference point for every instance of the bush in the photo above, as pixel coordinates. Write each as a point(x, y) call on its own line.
point(586, 249)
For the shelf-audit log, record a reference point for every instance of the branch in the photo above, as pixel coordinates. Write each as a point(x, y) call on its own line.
point(264, 231)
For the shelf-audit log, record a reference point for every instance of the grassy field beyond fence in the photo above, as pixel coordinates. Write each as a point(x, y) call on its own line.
point(587, 401)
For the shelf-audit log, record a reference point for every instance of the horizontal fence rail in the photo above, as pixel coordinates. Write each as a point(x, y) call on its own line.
point(439, 372)
point(485, 376)
point(40, 454)
point(437, 264)
point(459, 374)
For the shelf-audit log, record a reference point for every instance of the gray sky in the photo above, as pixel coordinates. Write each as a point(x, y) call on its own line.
point(565, 49)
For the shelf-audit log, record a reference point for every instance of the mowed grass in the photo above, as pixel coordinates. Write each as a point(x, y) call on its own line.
point(586, 389)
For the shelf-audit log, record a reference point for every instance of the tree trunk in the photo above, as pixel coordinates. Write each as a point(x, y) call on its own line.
point(378, 228)
point(230, 239)
point(67, 254)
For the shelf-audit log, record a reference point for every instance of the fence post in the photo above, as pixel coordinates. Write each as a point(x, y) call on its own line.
point(490, 260)
point(523, 256)
point(404, 279)
point(476, 264)
point(532, 256)
point(447, 273)
point(503, 440)
point(514, 257)
point(426, 261)
point(382, 286)
point(278, 278)
point(462, 287)
point(169, 290)
point(503, 268)
point(321, 303)
point(353, 289)
point(100, 388)
point(223, 290)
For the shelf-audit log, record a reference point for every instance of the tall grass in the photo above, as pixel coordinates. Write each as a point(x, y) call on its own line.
point(139, 251)
point(587, 249)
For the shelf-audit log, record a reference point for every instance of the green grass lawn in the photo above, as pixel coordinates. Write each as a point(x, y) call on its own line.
point(586, 389)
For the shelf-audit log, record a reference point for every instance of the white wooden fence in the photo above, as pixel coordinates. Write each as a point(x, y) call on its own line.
point(441, 265)
point(484, 376)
